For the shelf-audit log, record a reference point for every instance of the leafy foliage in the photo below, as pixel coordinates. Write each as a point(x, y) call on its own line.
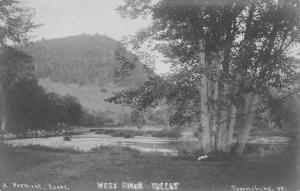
point(14, 66)
point(179, 91)
point(251, 38)
point(16, 23)
point(252, 35)
point(32, 108)
point(285, 112)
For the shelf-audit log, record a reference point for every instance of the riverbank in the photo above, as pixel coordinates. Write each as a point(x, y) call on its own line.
point(82, 171)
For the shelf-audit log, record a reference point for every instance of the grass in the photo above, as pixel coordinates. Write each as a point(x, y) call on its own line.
point(82, 171)
point(45, 148)
point(116, 150)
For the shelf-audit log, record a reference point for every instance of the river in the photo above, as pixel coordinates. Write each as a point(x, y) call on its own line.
point(167, 146)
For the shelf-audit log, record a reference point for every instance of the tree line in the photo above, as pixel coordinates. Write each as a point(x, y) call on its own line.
point(25, 105)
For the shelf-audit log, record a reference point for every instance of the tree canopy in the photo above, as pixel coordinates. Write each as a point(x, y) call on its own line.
point(231, 54)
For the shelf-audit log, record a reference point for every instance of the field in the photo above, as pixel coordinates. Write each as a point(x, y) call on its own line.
point(82, 171)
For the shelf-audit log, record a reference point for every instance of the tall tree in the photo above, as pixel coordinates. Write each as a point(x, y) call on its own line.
point(15, 66)
point(16, 24)
point(236, 52)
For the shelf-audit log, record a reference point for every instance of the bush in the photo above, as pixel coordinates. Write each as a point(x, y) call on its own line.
point(95, 119)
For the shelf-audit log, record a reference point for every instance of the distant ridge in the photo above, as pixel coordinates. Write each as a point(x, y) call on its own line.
point(82, 60)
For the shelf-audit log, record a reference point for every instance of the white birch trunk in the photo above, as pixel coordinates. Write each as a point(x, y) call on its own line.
point(230, 129)
point(251, 104)
point(215, 67)
point(222, 119)
point(4, 113)
point(204, 110)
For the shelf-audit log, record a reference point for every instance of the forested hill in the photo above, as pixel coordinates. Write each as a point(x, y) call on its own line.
point(83, 59)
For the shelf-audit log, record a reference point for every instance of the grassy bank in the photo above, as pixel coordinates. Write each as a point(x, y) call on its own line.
point(81, 171)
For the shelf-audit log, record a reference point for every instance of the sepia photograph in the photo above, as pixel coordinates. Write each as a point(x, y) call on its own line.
point(150, 95)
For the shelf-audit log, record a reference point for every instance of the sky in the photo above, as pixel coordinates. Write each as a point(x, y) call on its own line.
point(61, 18)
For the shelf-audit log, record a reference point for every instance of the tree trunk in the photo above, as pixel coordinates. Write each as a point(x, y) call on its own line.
point(167, 120)
point(230, 129)
point(214, 62)
point(204, 110)
point(205, 125)
point(3, 123)
point(224, 137)
point(222, 118)
point(4, 113)
point(246, 123)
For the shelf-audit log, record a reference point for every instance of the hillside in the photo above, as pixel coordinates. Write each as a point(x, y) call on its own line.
point(91, 98)
point(83, 59)
point(83, 66)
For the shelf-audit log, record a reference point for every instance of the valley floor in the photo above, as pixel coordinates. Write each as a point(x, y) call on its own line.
point(82, 171)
